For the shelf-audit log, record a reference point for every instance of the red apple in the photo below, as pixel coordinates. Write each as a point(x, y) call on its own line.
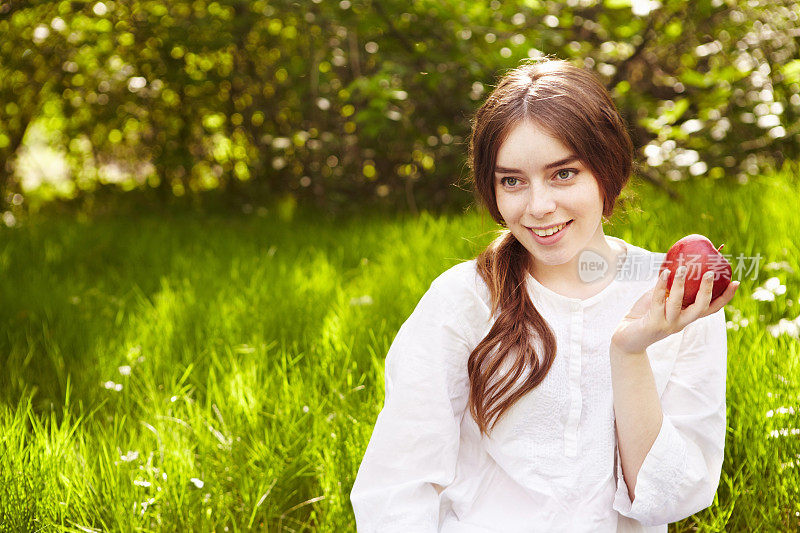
point(699, 256)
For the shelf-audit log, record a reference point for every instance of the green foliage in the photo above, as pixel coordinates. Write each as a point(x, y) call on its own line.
point(369, 101)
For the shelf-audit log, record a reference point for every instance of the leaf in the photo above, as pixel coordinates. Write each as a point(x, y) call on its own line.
point(696, 79)
point(791, 71)
point(671, 115)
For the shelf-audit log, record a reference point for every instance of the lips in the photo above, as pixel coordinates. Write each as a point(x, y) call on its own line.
point(550, 226)
point(564, 224)
point(551, 239)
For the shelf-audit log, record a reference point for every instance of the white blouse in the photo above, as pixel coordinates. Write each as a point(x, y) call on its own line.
point(551, 463)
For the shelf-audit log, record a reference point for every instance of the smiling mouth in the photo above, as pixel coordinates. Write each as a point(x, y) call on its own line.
point(556, 233)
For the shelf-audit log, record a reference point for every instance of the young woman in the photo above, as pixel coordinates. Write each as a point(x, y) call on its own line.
point(550, 384)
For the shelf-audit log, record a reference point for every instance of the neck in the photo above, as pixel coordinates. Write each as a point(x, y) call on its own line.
point(578, 272)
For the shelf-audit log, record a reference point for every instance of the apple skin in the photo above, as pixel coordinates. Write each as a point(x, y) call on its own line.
point(700, 256)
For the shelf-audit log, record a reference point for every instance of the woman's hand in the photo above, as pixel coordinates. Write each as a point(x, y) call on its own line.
point(655, 316)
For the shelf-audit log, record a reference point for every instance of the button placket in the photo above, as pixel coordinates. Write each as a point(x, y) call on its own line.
point(575, 396)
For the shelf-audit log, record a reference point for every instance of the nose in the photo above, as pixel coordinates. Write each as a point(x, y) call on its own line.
point(541, 202)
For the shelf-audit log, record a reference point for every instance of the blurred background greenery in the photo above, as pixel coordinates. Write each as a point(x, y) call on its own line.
point(343, 104)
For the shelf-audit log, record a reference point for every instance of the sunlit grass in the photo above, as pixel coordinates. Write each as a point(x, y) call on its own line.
point(204, 372)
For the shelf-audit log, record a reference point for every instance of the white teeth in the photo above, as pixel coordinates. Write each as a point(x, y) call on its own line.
point(545, 233)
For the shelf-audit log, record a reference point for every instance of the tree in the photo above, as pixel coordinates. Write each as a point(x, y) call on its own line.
point(370, 101)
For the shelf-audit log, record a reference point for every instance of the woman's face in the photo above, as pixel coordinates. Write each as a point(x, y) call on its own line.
point(539, 183)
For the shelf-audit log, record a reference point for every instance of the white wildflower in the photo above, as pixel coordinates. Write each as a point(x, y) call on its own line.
point(774, 285)
point(146, 504)
point(784, 326)
point(784, 432)
point(361, 300)
point(763, 295)
point(125, 370)
point(197, 482)
point(110, 385)
point(130, 456)
point(783, 265)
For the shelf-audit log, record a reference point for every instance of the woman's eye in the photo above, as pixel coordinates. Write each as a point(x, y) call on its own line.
point(564, 174)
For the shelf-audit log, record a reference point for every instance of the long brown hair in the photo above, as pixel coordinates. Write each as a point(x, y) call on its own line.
point(572, 105)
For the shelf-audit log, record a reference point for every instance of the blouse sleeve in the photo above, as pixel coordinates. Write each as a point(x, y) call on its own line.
point(680, 474)
point(412, 453)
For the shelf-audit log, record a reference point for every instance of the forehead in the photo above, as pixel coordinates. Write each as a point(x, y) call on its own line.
point(529, 145)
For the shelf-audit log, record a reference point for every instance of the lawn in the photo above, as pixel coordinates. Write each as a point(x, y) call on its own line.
point(222, 372)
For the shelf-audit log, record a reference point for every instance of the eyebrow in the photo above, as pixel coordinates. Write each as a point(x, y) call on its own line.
point(569, 159)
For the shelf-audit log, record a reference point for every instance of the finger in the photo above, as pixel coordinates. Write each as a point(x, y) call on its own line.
point(702, 300)
point(660, 295)
point(722, 300)
point(675, 300)
point(706, 289)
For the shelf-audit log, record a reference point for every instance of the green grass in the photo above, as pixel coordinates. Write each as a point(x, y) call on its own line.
point(256, 369)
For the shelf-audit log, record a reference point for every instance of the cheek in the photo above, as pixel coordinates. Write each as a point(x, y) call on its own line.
point(502, 201)
point(588, 197)
point(510, 206)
